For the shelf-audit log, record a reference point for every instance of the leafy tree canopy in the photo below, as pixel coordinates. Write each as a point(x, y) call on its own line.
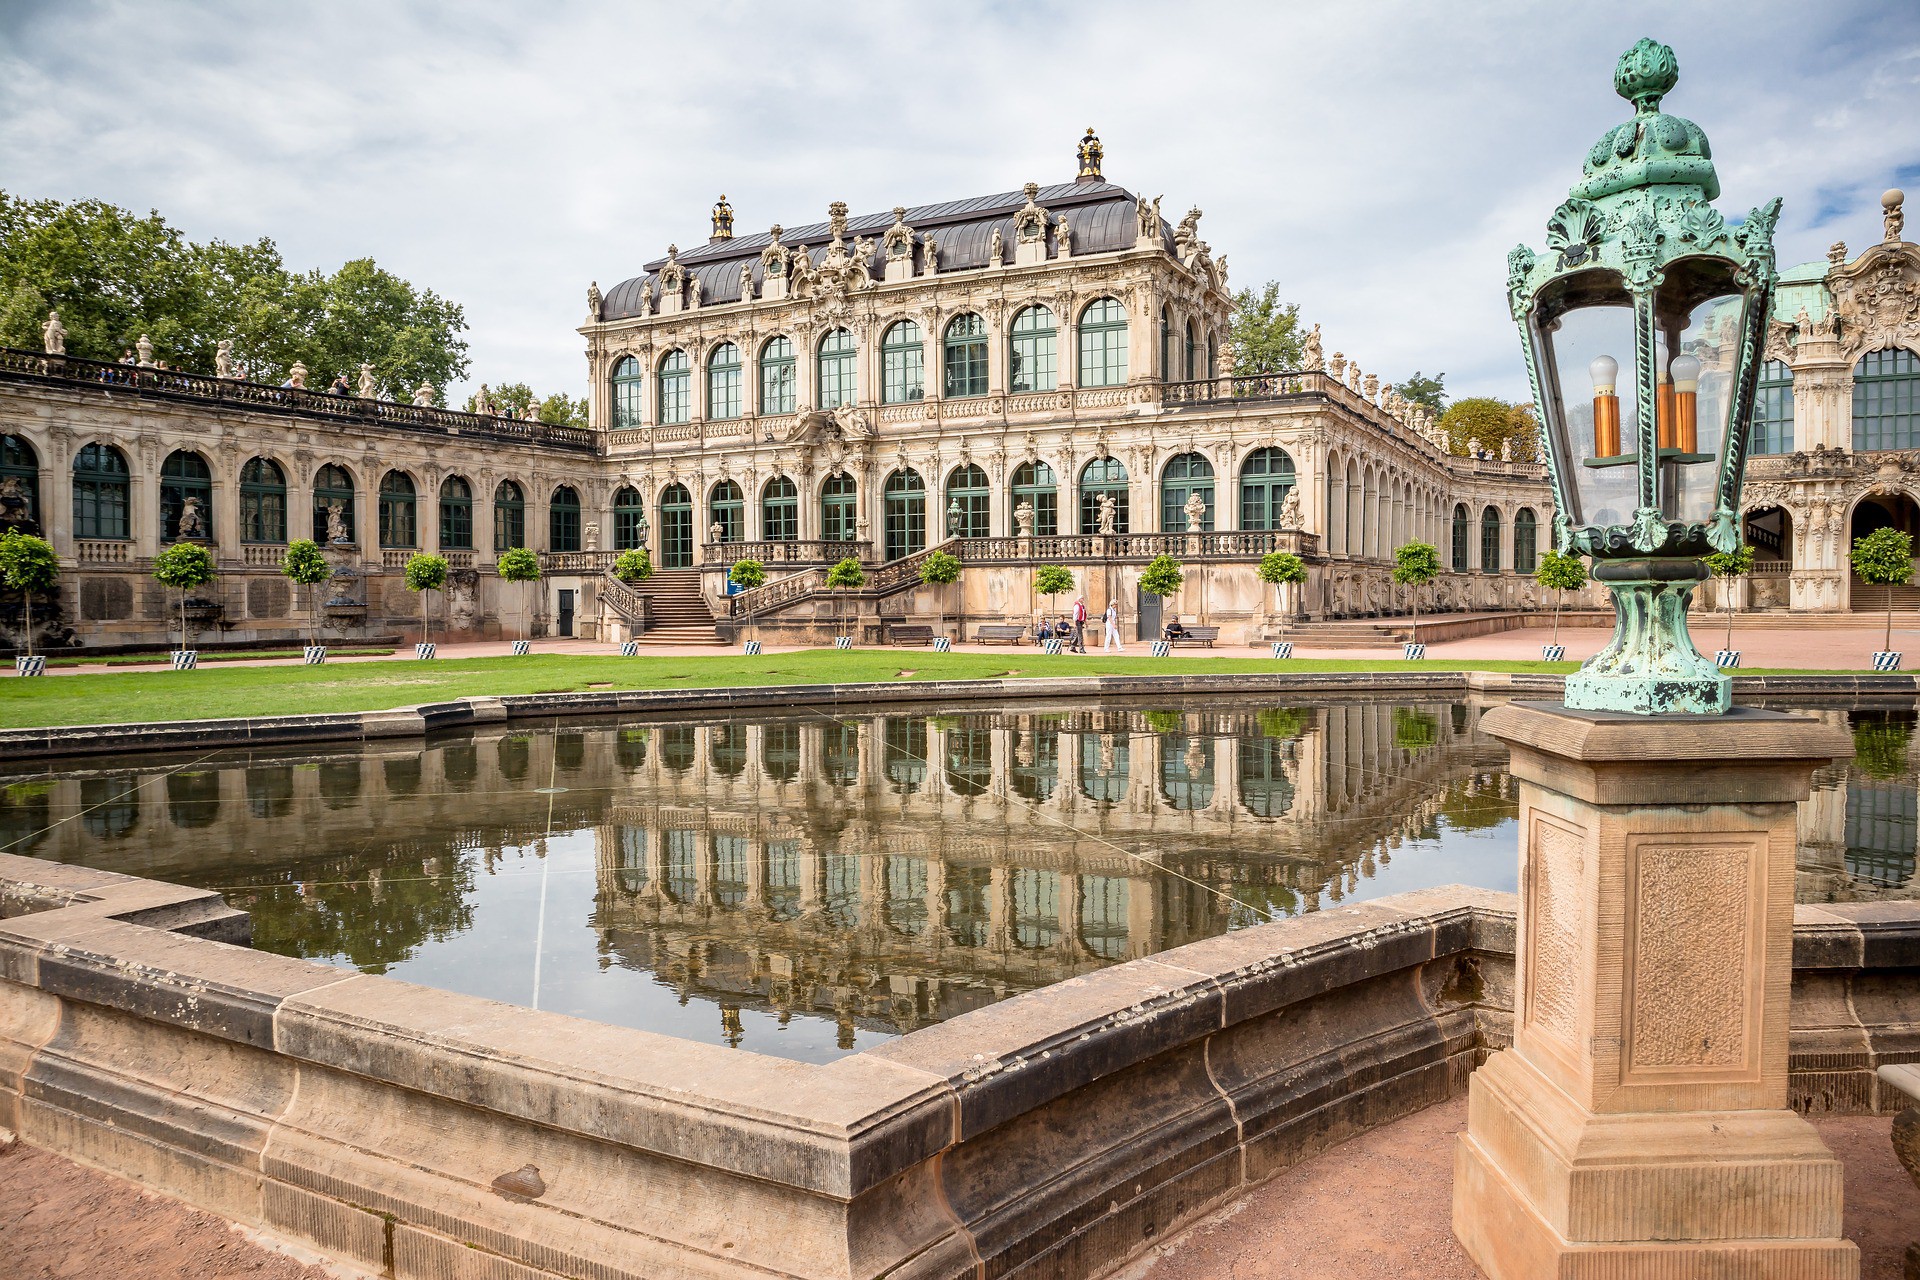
point(1265, 332)
point(1162, 576)
point(1415, 563)
point(1883, 558)
point(28, 563)
point(185, 565)
point(940, 569)
point(426, 572)
point(517, 564)
point(1277, 567)
point(633, 566)
point(847, 574)
point(1424, 390)
point(305, 564)
point(557, 410)
point(1731, 564)
point(747, 574)
point(1485, 422)
point(1052, 579)
point(1556, 572)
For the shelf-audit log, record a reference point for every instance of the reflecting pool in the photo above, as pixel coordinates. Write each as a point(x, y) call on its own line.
point(809, 883)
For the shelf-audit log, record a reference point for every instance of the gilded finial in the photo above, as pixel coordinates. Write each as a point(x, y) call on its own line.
point(723, 220)
point(1090, 153)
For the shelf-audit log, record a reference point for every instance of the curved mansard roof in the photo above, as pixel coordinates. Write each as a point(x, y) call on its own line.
point(1101, 214)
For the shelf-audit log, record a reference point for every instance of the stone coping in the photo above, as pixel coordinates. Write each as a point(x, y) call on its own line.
point(416, 721)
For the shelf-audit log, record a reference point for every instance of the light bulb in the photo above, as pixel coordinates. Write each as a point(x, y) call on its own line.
point(1686, 371)
point(1604, 370)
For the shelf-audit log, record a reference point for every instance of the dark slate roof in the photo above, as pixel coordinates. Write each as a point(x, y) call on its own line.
point(1100, 213)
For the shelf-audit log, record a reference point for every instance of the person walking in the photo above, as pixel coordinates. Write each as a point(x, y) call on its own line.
point(1080, 624)
point(1111, 643)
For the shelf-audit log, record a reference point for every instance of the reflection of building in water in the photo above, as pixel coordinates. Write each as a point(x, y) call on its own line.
point(1859, 833)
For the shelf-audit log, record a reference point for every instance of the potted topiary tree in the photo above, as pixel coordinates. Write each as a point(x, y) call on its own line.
point(1281, 569)
point(1884, 558)
point(1559, 574)
point(1415, 564)
point(632, 567)
point(28, 565)
point(517, 564)
point(746, 575)
point(940, 569)
point(1050, 581)
point(847, 575)
point(184, 566)
point(426, 574)
point(1162, 577)
point(306, 565)
point(1727, 566)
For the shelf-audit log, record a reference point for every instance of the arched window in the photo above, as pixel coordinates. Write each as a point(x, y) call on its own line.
point(1193, 351)
point(968, 502)
point(676, 527)
point(563, 519)
point(1103, 344)
point(263, 501)
point(19, 484)
point(1186, 772)
point(1773, 410)
point(839, 509)
point(1460, 524)
point(185, 479)
point(1105, 761)
point(1105, 920)
point(778, 390)
point(903, 364)
point(627, 384)
point(1103, 476)
point(333, 488)
point(509, 516)
point(629, 519)
point(676, 388)
point(1526, 551)
point(1033, 351)
point(779, 510)
point(1213, 357)
point(1886, 400)
point(905, 513)
point(1265, 789)
point(1168, 369)
point(728, 510)
point(723, 382)
point(1186, 475)
point(836, 362)
point(1265, 478)
point(1034, 482)
point(456, 514)
point(966, 356)
point(397, 524)
point(1490, 540)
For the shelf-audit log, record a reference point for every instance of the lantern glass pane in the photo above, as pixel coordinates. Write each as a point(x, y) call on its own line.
point(1700, 316)
point(1591, 420)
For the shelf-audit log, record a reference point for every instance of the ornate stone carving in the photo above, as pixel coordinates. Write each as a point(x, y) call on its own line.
point(223, 359)
point(366, 387)
point(1893, 219)
point(594, 302)
point(1876, 299)
point(929, 255)
point(773, 258)
point(1063, 237)
point(673, 276)
point(1556, 915)
point(1030, 223)
point(897, 243)
point(746, 282)
point(1310, 353)
point(53, 335)
point(1691, 1005)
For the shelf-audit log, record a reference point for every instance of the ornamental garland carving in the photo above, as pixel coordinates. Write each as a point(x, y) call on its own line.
point(1877, 300)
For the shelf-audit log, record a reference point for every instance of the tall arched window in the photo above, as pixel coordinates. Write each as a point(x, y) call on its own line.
point(1526, 549)
point(839, 509)
point(333, 488)
point(184, 479)
point(728, 509)
point(676, 390)
point(1186, 772)
point(1168, 369)
point(1461, 522)
point(837, 358)
point(723, 382)
point(966, 356)
point(1033, 351)
point(1490, 540)
point(1773, 410)
point(1103, 344)
point(628, 407)
point(905, 513)
point(1034, 482)
point(263, 501)
point(1265, 478)
point(1193, 351)
point(629, 519)
point(456, 514)
point(779, 510)
point(1886, 400)
point(509, 516)
point(903, 364)
point(19, 484)
point(563, 519)
point(676, 527)
point(397, 514)
point(1103, 476)
point(968, 503)
point(1186, 475)
point(779, 391)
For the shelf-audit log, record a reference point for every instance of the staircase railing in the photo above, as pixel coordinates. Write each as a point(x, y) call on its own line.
point(629, 604)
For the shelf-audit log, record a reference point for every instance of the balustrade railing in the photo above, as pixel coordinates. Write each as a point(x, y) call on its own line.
point(778, 592)
point(783, 551)
point(90, 551)
point(262, 555)
point(624, 601)
point(577, 561)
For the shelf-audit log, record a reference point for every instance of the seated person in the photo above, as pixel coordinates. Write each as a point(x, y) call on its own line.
point(1045, 632)
point(1175, 630)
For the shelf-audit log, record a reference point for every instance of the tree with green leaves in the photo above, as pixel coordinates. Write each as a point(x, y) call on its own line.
point(1265, 332)
point(633, 566)
point(746, 575)
point(1051, 579)
point(517, 564)
point(306, 565)
point(30, 566)
point(1162, 577)
point(1560, 574)
point(1881, 745)
point(1278, 569)
point(1415, 564)
point(1422, 390)
point(938, 570)
point(1884, 558)
point(184, 566)
point(1726, 566)
point(426, 574)
point(1485, 422)
point(845, 576)
point(514, 399)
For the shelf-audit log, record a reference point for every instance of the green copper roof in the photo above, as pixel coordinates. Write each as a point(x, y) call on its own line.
point(1653, 148)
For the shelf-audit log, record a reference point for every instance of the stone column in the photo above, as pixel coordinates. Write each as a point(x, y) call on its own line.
point(1639, 1126)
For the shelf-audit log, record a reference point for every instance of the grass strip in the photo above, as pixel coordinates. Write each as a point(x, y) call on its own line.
point(206, 656)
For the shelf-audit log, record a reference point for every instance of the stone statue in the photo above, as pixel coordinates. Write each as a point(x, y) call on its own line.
point(1196, 510)
point(1837, 252)
point(1353, 377)
point(1896, 221)
point(1290, 509)
point(593, 300)
point(995, 248)
point(693, 293)
point(1109, 514)
point(1023, 518)
point(1186, 236)
point(54, 335)
point(715, 530)
point(1030, 224)
point(1063, 236)
point(1149, 216)
point(297, 376)
point(483, 400)
point(145, 349)
point(929, 255)
point(773, 258)
point(746, 282)
point(1310, 353)
point(423, 395)
point(800, 271)
point(367, 389)
point(898, 240)
point(1371, 387)
point(1337, 365)
point(193, 524)
point(591, 531)
point(337, 522)
point(860, 271)
point(223, 359)
point(954, 517)
point(533, 409)
point(14, 507)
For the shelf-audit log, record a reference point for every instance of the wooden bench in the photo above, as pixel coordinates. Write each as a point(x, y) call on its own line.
point(912, 634)
point(1196, 638)
point(996, 634)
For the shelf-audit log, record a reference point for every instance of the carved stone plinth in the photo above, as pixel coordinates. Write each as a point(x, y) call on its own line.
point(1638, 1127)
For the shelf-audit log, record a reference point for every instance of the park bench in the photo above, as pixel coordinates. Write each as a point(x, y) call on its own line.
point(997, 634)
point(1197, 638)
point(909, 634)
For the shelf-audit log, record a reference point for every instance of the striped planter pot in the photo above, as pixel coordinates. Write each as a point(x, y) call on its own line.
point(424, 652)
point(1283, 648)
point(629, 648)
point(30, 666)
point(1553, 653)
point(1414, 652)
point(313, 655)
point(942, 645)
point(1160, 648)
point(751, 648)
point(1728, 658)
point(185, 659)
point(1884, 661)
point(1051, 646)
point(843, 642)
point(521, 648)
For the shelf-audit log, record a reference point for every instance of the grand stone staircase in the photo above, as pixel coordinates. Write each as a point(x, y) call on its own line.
point(674, 611)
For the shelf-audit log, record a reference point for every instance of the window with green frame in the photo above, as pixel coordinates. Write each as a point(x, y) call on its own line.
point(509, 516)
point(840, 508)
point(333, 483)
point(1033, 351)
point(837, 358)
point(563, 519)
point(1193, 352)
point(1526, 540)
point(1103, 344)
point(965, 349)
point(100, 487)
point(967, 486)
point(628, 407)
point(1886, 400)
point(1773, 410)
point(1490, 540)
point(398, 500)
point(20, 464)
point(676, 388)
point(629, 519)
point(904, 508)
point(728, 510)
point(456, 514)
point(1265, 477)
point(676, 527)
point(1034, 482)
point(1186, 475)
point(263, 501)
point(1103, 476)
point(903, 364)
point(779, 510)
point(1461, 521)
point(185, 475)
point(779, 391)
point(723, 382)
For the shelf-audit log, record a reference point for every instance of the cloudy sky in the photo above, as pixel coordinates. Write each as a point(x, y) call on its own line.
point(1377, 158)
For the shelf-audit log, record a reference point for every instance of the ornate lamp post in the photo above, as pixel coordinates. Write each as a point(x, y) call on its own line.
point(1642, 326)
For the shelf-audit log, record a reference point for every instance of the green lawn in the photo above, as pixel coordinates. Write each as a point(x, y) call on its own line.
point(120, 697)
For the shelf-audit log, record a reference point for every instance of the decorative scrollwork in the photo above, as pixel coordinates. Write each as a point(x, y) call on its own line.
point(1574, 230)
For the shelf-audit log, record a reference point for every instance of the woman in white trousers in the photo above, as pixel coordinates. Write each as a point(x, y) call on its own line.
point(1112, 640)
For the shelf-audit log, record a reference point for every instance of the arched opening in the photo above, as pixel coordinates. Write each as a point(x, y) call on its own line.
point(1769, 531)
point(1033, 351)
point(1526, 540)
point(1103, 344)
point(1265, 479)
point(333, 505)
point(397, 516)
point(1336, 507)
point(904, 512)
point(456, 514)
point(1490, 540)
point(1102, 477)
point(723, 382)
point(779, 510)
point(1461, 525)
point(19, 485)
point(629, 519)
point(509, 516)
point(965, 356)
point(836, 367)
point(1186, 475)
point(627, 385)
point(840, 508)
point(727, 508)
point(186, 498)
point(969, 502)
point(779, 388)
point(1034, 485)
point(1881, 511)
point(676, 527)
point(903, 364)
point(263, 501)
point(563, 519)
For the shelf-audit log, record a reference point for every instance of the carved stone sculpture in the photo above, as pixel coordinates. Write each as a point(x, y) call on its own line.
point(297, 376)
point(423, 395)
point(1186, 236)
point(715, 531)
point(223, 359)
point(1837, 252)
point(1310, 353)
point(483, 400)
point(1196, 509)
point(693, 293)
point(144, 348)
point(1337, 365)
point(1149, 215)
point(193, 523)
point(593, 300)
point(591, 530)
point(1894, 219)
point(859, 270)
point(337, 522)
point(1063, 237)
point(898, 240)
point(773, 258)
point(1109, 514)
point(54, 335)
point(14, 506)
point(746, 282)
point(367, 389)
point(1030, 224)
point(929, 255)
point(1023, 518)
point(995, 248)
point(1290, 509)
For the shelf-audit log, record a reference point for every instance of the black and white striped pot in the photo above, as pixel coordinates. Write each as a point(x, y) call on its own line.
point(521, 648)
point(313, 655)
point(1051, 646)
point(424, 652)
point(751, 649)
point(1553, 653)
point(1283, 648)
point(36, 665)
point(843, 642)
point(1160, 648)
point(942, 645)
point(1414, 652)
point(1885, 661)
point(185, 659)
point(629, 648)
point(1728, 658)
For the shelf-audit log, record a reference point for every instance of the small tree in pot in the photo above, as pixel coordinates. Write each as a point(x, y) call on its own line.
point(426, 574)
point(1415, 564)
point(1727, 566)
point(1560, 574)
point(184, 566)
point(306, 565)
point(1884, 558)
point(29, 565)
point(940, 569)
point(1278, 569)
point(1162, 577)
point(517, 564)
point(847, 575)
point(746, 575)
point(1051, 580)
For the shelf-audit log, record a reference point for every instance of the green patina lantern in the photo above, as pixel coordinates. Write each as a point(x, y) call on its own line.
point(1642, 326)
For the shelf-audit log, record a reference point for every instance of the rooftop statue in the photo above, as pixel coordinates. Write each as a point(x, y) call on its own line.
point(423, 395)
point(1090, 153)
point(223, 359)
point(145, 349)
point(1063, 236)
point(746, 282)
point(593, 300)
point(54, 335)
point(1030, 223)
point(1896, 221)
point(367, 388)
point(1310, 353)
point(929, 255)
point(723, 220)
point(996, 248)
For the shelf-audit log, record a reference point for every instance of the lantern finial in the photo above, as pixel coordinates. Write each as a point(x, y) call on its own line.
point(1645, 74)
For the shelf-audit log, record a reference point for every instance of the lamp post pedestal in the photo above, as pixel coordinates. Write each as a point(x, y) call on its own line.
point(1639, 1126)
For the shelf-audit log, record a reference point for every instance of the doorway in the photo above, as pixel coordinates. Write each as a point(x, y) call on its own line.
point(566, 611)
point(1146, 616)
